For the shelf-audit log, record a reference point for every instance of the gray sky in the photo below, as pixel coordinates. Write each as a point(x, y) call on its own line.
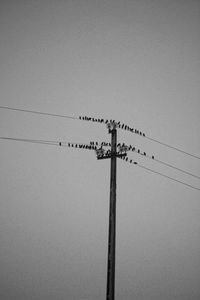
point(133, 61)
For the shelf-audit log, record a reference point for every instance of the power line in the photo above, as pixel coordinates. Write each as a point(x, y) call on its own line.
point(176, 168)
point(53, 143)
point(161, 174)
point(91, 146)
point(100, 120)
point(39, 112)
point(172, 147)
point(152, 157)
point(171, 178)
point(30, 141)
point(166, 164)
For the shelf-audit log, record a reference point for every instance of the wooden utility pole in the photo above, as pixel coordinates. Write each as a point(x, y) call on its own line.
point(110, 295)
point(113, 154)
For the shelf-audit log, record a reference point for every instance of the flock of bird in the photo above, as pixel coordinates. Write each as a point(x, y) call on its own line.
point(101, 152)
point(117, 124)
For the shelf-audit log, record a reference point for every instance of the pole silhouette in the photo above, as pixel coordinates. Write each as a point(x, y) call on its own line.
point(110, 294)
point(113, 154)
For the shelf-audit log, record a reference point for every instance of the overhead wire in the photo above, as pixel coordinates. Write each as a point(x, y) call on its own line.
point(166, 176)
point(88, 146)
point(176, 168)
point(166, 164)
point(172, 147)
point(39, 112)
point(161, 174)
point(121, 126)
point(47, 142)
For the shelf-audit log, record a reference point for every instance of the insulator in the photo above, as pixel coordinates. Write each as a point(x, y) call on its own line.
point(69, 145)
point(144, 153)
point(131, 161)
point(143, 134)
point(152, 156)
point(138, 151)
point(60, 144)
point(135, 163)
point(133, 149)
point(140, 133)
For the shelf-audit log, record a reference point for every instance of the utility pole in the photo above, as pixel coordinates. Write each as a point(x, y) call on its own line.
point(110, 295)
point(113, 154)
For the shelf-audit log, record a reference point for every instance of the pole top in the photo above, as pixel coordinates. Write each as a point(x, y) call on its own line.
point(112, 125)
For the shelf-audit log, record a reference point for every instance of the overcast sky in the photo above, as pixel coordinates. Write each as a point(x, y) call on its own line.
point(137, 61)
